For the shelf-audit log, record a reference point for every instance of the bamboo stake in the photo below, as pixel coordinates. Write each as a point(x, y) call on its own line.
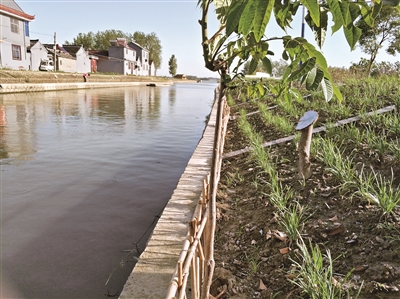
point(189, 257)
point(194, 279)
point(174, 284)
point(180, 273)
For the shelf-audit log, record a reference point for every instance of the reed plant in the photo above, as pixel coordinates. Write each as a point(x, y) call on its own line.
point(378, 144)
point(292, 220)
point(278, 195)
point(339, 164)
point(314, 274)
point(259, 152)
point(282, 124)
point(379, 191)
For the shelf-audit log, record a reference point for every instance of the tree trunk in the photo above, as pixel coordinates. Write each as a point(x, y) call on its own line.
point(212, 216)
point(304, 153)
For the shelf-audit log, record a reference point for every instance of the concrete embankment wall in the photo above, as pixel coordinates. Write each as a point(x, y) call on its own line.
point(40, 87)
point(152, 274)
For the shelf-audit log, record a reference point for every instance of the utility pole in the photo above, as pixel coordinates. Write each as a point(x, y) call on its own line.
point(55, 55)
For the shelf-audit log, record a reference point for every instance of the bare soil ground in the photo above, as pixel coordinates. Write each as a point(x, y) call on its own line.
point(253, 260)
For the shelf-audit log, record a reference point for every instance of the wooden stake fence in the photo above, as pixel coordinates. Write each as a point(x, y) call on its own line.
point(192, 259)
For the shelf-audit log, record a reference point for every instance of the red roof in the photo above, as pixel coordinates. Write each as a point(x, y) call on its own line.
point(15, 12)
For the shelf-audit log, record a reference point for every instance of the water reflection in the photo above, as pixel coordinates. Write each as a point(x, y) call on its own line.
point(20, 114)
point(84, 173)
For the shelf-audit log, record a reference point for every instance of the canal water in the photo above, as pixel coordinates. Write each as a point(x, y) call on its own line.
point(84, 175)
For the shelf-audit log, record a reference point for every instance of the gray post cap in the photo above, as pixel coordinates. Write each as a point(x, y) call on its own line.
point(307, 120)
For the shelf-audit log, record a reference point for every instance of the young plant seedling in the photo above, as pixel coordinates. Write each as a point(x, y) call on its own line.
point(305, 125)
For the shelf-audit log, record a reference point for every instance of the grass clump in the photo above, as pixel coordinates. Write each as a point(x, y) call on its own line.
point(314, 274)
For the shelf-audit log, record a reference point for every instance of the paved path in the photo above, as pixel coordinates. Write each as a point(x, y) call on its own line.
point(39, 87)
point(151, 276)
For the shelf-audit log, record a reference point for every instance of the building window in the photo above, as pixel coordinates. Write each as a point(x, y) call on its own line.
point(26, 28)
point(16, 52)
point(14, 25)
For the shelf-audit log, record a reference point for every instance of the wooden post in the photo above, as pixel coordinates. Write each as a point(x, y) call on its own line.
point(305, 125)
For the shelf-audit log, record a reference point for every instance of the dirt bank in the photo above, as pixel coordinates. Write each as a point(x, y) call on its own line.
point(13, 76)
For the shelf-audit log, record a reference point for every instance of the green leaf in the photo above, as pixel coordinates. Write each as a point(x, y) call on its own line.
point(234, 14)
point(267, 65)
point(303, 69)
point(253, 66)
point(376, 9)
point(337, 93)
point(246, 20)
point(313, 8)
point(327, 89)
point(285, 55)
point(367, 14)
point(336, 14)
point(344, 7)
point(352, 34)
point(261, 19)
point(260, 87)
point(313, 52)
point(319, 31)
point(314, 78)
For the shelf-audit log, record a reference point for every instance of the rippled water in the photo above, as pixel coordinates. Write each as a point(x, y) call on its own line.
point(84, 175)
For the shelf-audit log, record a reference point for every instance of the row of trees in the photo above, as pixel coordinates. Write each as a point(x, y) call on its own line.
point(101, 41)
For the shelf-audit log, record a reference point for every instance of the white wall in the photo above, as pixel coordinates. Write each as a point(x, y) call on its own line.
point(10, 38)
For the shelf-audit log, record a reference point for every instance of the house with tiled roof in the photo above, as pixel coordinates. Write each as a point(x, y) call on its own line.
point(14, 36)
point(143, 62)
point(120, 58)
point(38, 52)
point(64, 61)
point(83, 64)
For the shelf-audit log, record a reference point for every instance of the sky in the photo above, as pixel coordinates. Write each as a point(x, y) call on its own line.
point(174, 22)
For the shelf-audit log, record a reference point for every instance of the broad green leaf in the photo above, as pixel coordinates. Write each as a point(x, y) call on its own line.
point(234, 14)
point(352, 34)
point(314, 78)
point(284, 12)
point(336, 15)
point(267, 65)
point(246, 20)
point(327, 89)
point(337, 93)
point(376, 9)
point(260, 87)
point(295, 93)
point(253, 66)
point(303, 69)
point(319, 31)
point(263, 14)
point(313, 52)
point(344, 7)
point(285, 55)
point(354, 11)
point(290, 68)
point(313, 8)
point(366, 13)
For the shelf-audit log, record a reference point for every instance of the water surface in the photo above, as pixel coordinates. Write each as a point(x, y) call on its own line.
point(84, 174)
